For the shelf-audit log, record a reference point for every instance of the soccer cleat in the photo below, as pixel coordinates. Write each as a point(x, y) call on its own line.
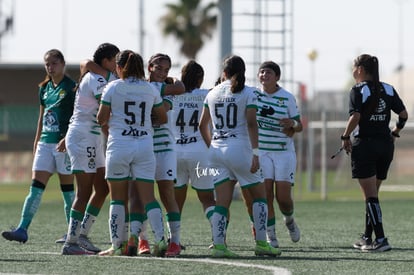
point(173, 250)
point(362, 242)
point(377, 246)
point(221, 251)
point(111, 252)
point(75, 249)
point(62, 239)
point(182, 246)
point(274, 243)
point(124, 248)
point(143, 247)
point(85, 243)
point(211, 246)
point(18, 235)
point(294, 231)
point(132, 246)
point(159, 248)
point(263, 248)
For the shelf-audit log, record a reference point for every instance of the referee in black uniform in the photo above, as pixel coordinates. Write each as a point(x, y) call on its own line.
point(372, 149)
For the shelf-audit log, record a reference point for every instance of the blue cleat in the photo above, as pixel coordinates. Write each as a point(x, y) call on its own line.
point(18, 235)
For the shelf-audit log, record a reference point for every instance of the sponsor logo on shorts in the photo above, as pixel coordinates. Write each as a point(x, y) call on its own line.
point(134, 132)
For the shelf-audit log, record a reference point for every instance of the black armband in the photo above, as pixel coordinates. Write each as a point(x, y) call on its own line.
point(401, 122)
point(345, 137)
point(394, 134)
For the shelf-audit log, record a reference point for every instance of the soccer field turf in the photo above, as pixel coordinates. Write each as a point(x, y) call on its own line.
point(328, 231)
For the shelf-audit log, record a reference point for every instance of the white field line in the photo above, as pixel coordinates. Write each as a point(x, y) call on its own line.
point(397, 188)
point(274, 269)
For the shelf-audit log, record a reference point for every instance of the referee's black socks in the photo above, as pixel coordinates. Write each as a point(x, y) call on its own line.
point(374, 212)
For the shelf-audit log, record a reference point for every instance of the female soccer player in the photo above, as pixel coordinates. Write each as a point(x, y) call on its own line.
point(126, 108)
point(164, 147)
point(56, 95)
point(278, 119)
point(230, 108)
point(192, 160)
point(85, 144)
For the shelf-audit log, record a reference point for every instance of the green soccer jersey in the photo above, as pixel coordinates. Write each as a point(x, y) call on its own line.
point(58, 108)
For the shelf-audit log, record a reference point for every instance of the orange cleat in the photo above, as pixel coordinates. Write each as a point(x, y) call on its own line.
point(143, 247)
point(173, 250)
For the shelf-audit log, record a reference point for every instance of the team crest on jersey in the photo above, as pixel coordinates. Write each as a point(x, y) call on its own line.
point(62, 94)
point(280, 102)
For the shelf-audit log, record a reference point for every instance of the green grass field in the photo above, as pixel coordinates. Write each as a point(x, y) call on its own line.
point(328, 230)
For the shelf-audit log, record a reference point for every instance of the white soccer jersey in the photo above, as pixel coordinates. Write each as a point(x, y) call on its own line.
point(163, 136)
point(131, 102)
point(228, 112)
point(272, 108)
point(87, 102)
point(185, 117)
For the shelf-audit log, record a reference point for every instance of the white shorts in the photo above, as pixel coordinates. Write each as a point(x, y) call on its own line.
point(166, 166)
point(47, 158)
point(193, 168)
point(233, 163)
point(86, 150)
point(132, 160)
point(279, 166)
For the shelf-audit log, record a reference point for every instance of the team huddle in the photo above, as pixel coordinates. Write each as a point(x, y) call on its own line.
point(117, 133)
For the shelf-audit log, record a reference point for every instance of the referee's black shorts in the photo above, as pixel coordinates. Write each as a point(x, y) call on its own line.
point(371, 156)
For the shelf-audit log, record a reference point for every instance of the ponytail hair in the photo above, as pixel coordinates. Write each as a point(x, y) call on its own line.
point(131, 63)
point(234, 68)
point(51, 53)
point(371, 67)
point(192, 75)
